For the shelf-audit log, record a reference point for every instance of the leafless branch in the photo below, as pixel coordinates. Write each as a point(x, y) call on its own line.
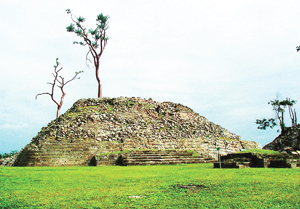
point(61, 86)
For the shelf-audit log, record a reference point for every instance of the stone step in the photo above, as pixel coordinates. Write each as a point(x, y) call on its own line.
point(163, 159)
point(167, 157)
point(159, 157)
point(165, 152)
point(154, 155)
point(162, 154)
point(165, 162)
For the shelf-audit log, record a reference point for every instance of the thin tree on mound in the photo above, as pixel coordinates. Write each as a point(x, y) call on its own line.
point(59, 82)
point(96, 40)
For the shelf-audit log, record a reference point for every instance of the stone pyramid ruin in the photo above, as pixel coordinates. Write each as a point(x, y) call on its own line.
point(289, 139)
point(96, 127)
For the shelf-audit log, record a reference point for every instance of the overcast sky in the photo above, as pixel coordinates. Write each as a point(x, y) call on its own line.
point(223, 59)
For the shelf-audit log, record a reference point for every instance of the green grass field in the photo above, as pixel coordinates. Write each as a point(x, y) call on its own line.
point(148, 187)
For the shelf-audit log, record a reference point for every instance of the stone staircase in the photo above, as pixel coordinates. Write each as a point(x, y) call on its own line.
point(57, 154)
point(163, 157)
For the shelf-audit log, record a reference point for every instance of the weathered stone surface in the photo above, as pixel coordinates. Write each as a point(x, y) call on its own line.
point(151, 157)
point(288, 139)
point(8, 161)
point(94, 126)
point(245, 160)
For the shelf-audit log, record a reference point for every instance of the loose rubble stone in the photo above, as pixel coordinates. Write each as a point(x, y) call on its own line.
point(119, 124)
point(289, 139)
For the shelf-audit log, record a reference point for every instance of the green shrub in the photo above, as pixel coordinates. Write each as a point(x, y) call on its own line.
point(196, 154)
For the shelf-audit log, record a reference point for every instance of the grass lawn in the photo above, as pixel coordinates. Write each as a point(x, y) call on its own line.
point(149, 187)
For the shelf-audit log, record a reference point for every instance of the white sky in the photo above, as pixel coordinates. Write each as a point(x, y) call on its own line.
point(224, 59)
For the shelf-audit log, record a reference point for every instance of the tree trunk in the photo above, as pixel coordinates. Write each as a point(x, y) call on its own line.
point(61, 100)
point(282, 125)
point(98, 80)
point(58, 111)
point(99, 89)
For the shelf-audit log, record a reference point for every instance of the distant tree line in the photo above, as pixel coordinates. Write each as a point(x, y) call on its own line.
point(6, 155)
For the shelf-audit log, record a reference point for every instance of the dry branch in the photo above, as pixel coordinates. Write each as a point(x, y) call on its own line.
point(61, 84)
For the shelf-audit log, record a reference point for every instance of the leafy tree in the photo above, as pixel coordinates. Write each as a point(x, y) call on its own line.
point(279, 109)
point(96, 40)
point(59, 82)
point(264, 123)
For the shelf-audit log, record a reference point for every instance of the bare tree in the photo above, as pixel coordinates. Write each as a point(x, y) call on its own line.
point(96, 40)
point(60, 82)
point(292, 112)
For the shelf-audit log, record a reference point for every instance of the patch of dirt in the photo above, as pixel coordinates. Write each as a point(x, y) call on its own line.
point(192, 186)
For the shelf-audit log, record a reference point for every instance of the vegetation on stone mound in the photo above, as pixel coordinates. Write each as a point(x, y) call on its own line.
point(289, 139)
point(95, 126)
point(196, 154)
point(118, 118)
point(228, 139)
point(261, 151)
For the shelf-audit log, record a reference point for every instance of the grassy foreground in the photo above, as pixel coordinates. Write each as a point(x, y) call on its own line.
point(148, 187)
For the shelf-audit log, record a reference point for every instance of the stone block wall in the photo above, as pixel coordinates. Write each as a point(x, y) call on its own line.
point(257, 160)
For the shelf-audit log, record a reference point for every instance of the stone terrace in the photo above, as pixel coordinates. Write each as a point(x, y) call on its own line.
point(152, 157)
point(95, 126)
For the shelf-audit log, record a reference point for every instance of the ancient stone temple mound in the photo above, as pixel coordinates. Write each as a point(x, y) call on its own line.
point(92, 127)
point(289, 139)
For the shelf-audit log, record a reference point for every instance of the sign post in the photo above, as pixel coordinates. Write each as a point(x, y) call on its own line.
point(219, 156)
